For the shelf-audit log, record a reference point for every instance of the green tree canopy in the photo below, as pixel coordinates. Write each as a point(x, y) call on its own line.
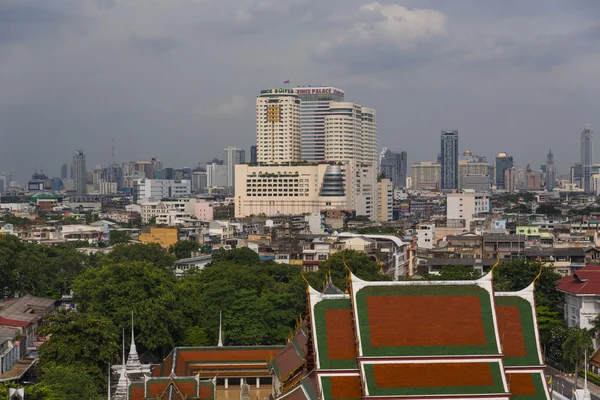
point(151, 292)
point(118, 237)
point(242, 255)
point(184, 249)
point(577, 343)
point(84, 341)
point(151, 253)
point(360, 264)
point(518, 274)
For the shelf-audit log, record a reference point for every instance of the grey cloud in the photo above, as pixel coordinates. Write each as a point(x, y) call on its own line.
point(157, 45)
point(24, 19)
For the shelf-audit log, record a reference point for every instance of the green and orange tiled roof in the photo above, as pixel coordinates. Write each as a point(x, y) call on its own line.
point(527, 385)
point(409, 320)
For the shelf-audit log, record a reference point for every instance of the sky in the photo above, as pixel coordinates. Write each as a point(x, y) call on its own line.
point(177, 79)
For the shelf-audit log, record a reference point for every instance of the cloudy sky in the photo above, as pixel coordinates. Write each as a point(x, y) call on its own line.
point(177, 79)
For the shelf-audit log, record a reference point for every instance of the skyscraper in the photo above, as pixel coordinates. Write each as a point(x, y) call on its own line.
point(449, 160)
point(501, 164)
point(278, 133)
point(314, 106)
point(394, 166)
point(587, 150)
point(64, 171)
point(351, 133)
point(231, 156)
point(253, 154)
point(550, 172)
point(79, 173)
point(5, 178)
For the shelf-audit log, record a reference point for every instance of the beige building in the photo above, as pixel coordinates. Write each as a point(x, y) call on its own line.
point(278, 131)
point(426, 176)
point(306, 189)
point(350, 133)
point(385, 198)
point(510, 179)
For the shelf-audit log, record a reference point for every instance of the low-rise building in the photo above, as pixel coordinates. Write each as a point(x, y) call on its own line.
point(165, 237)
point(582, 296)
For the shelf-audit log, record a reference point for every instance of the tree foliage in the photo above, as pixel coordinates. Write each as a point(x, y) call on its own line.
point(184, 249)
point(46, 271)
point(151, 253)
point(577, 343)
point(151, 292)
point(241, 256)
point(118, 237)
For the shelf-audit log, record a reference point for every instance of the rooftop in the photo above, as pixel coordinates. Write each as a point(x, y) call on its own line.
point(585, 281)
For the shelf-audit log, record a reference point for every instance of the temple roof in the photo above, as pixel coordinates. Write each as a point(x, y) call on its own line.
point(425, 318)
point(517, 326)
point(173, 388)
point(330, 288)
point(292, 357)
point(527, 385)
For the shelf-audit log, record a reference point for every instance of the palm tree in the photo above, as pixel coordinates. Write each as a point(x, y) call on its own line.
point(575, 346)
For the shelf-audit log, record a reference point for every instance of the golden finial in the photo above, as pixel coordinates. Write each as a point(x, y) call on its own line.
point(540, 273)
point(344, 261)
point(496, 264)
point(305, 280)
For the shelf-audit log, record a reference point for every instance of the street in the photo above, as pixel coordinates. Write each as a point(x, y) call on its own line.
point(564, 385)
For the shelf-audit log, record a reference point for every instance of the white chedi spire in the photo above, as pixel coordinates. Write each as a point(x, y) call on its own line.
point(220, 343)
point(121, 392)
point(133, 360)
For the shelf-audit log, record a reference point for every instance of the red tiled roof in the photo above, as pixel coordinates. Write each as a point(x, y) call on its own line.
point(584, 281)
point(14, 322)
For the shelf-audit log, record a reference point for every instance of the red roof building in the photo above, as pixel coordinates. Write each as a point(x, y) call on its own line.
point(582, 292)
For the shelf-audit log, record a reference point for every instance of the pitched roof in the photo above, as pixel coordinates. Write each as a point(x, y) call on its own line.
point(517, 328)
point(429, 318)
point(527, 385)
point(585, 281)
point(288, 362)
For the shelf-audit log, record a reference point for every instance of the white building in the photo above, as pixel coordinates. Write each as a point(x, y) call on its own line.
point(278, 130)
point(582, 296)
point(425, 236)
point(216, 175)
point(350, 133)
point(153, 190)
point(314, 106)
point(466, 206)
point(168, 212)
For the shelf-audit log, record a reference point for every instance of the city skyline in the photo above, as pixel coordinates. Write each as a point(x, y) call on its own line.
point(83, 80)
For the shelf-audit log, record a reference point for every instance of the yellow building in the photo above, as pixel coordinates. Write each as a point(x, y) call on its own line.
point(165, 237)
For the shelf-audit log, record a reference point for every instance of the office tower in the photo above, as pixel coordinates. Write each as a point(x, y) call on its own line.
point(314, 106)
point(79, 173)
point(146, 167)
point(231, 157)
point(449, 160)
point(199, 181)
point(216, 175)
point(278, 132)
point(158, 165)
point(253, 154)
point(587, 150)
point(64, 170)
point(393, 165)
point(501, 164)
point(426, 175)
point(510, 179)
point(550, 172)
point(5, 178)
point(475, 170)
point(351, 133)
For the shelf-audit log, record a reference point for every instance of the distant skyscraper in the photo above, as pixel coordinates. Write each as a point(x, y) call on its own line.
point(501, 164)
point(587, 151)
point(314, 107)
point(253, 154)
point(449, 160)
point(79, 173)
point(394, 166)
point(550, 172)
point(64, 170)
point(5, 179)
point(231, 157)
point(278, 132)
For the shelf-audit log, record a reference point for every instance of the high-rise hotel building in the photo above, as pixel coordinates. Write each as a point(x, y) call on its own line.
point(278, 133)
point(314, 107)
